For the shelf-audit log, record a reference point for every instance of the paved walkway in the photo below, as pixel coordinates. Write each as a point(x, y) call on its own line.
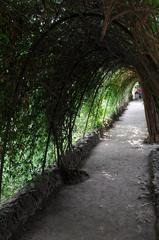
point(114, 204)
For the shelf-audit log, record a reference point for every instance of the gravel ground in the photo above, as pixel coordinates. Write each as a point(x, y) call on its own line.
point(114, 204)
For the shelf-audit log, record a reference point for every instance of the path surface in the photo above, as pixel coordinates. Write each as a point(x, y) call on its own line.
point(114, 204)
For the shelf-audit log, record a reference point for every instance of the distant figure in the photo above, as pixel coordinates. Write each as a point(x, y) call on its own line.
point(137, 95)
point(140, 91)
point(137, 92)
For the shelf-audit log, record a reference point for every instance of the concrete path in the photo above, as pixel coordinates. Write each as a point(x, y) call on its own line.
point(114, 204)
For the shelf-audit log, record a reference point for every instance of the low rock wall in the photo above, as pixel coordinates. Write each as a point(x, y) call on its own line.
point(16, 211)
point(154, 162)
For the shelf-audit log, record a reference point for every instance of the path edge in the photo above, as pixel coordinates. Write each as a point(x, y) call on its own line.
point(15, 212)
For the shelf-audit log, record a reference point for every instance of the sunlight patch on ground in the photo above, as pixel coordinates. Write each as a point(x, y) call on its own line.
point(136, 143)
point(108, 175)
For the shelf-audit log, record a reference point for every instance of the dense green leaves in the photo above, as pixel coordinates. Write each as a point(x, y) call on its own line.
point(59, 78)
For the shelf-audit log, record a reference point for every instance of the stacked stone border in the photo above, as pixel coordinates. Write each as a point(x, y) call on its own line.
point(154, 183)
point(16, 212)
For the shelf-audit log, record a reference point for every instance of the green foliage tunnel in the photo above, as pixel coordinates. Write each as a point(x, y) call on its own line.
point(65, 66)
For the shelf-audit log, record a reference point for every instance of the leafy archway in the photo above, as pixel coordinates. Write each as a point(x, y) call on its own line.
point(60, 55)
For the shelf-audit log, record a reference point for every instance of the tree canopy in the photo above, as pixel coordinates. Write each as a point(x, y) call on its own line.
point(61, 57)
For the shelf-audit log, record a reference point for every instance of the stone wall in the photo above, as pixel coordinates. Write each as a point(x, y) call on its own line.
point(15, 212)
point(154, 163)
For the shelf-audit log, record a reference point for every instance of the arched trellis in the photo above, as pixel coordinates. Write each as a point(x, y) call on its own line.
point(58, 88)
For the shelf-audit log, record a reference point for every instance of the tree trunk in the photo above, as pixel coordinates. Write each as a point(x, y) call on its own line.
point(152, 116)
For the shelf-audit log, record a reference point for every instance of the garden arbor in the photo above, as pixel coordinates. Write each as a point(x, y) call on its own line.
point(61, 55)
